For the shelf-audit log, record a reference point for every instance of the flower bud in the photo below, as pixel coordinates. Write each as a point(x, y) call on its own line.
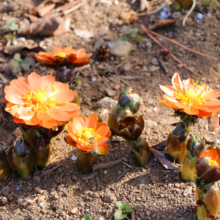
point(4, 166)
point(52, 132)
point(141, 150)
point(176, 143)
point(85, 161)
point(195, 145)
point(65, 75)
point(22, 158)
point(208, 165)
point(208, 201)
point(116, 116)
point(43, 149)
point(2, 154)
point(129, 98)
point(131, 127)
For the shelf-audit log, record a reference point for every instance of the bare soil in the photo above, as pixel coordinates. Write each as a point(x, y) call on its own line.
point(152, 191)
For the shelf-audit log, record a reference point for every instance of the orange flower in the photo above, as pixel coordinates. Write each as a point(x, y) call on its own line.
point(208, 165)
point(191, 98)
point(63, 57)
point(40, 101)
point(82, 129)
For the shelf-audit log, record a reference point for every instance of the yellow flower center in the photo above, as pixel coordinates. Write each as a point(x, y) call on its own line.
point(191, 97)
point(62, 54)
point(213, 162)
point(39, 100)
point(84, 134)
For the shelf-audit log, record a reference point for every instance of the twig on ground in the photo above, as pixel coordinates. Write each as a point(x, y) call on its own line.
point(74, 8)
point(174, 42)
point(44, 173)
point(189, 12)
point(163, 4)
point(127, 164)
point(174, 57)
point(107, 165)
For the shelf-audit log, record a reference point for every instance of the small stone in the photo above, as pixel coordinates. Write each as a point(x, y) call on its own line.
point(105, 172)
point(149, 123)
point(74, 210)
point(111, 92)
point(210, 139)
point(39, 190)
point(20, 201)
point(177, 185)
point(98, 43)
point(4, 200)
point(163, 121)
point(127, 66)
point(169, 185)
point(187, 191)
point(10, 198)
point(107, 102)
point(120, 48)
point(155, 62)
point(85, 34)
point(74, 157)
point(154, 68)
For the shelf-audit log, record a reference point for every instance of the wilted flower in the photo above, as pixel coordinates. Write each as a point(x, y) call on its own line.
point(65, 75)
point(131, 127)
point(64, 57)
point(22, 158)
point(208, 165)
point(118, 114)
point(40, 101)
point(4, 166)
point(176, 142)
point(129, 98)
point(191, 98)
point(88, 134)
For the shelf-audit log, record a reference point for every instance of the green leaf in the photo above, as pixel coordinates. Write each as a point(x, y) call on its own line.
point(138, 38)
point(15, 66)
point(27, 63)
point(118, 215)
point(13, 27)
point(127, 208)
point(132, 32)
point(125, 38)
point(17, 57)
point(87, 217)
point(120, 205)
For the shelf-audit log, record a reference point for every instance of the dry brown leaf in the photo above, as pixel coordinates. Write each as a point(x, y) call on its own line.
point(214, 122)
point(111, 92)
point(129, 16)
point(23, 48)
point(160, 146)
point(45, 9)
point(161, 23)
point(45, 26)
point(3, 59)
point(63, 27)
point(144, 4)
point(160, 156)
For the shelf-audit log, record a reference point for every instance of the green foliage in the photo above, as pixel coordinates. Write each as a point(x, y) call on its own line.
point(17, 64)
point(121, 213)
point(130, 33)
point(10, 25)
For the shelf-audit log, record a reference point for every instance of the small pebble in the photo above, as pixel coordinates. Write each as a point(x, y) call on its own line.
point(155, 159)
point(4, 200)
point(5, 3)
point(164, 15)
point(93, 79)
point(14, 42)
point(22, 39)
point(160, 39)
point(18, 188)
point(177, 209)
point(67, 216)
point(87, 210)
point(199, 16)
point(74, 158)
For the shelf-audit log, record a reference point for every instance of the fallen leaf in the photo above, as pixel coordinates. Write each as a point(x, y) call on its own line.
point(45, 26)
point(161, 23)
point(63, 27)
point(214, 122)
point(160, 156)
point(145, 5)
point(17, 64)
point(129, 16)
point(45, 9)
point(3, 59)
point(160, 146)
point(22, 48)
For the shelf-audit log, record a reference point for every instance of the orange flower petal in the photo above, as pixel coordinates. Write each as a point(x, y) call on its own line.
point(69, 141)
point(103, 149)
point(26, 113)
point(58, 49)
point(176, 81)
point(103, 130)
point(34, 81)
point(91, 121)
point(191, 110)
point(167, 90)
